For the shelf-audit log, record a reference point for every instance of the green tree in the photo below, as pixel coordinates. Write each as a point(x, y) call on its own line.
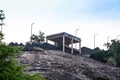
point(38, 38)
point(9, 67)
point(100, 56)
point(115, 47)
point(110, 56)
point(1, 37)
point(118, 61)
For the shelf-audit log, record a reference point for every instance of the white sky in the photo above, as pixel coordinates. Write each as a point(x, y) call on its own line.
point(101, 17)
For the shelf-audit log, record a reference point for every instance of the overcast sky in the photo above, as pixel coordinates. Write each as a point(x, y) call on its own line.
point(101, 17)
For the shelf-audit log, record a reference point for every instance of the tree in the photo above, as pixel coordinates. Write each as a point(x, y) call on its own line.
point(110, 56)
point(2, 17)
point(118, 61)
point(38, 38)
point(100, 56)
point(115, 47)
point(9, 67)
point(1, 37)
point(41, 37)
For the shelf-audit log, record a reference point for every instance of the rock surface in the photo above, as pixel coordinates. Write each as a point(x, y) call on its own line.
point(56, 65)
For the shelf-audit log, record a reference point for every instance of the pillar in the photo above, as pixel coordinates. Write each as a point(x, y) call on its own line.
point(80, 47)
point(46, 40)
point(72, 46)
point(63, 43)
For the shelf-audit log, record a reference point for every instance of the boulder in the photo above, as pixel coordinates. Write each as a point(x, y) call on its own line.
point(56, 65)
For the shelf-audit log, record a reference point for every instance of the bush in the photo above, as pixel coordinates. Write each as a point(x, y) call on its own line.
point(110, 56)
point(100, 56)
point(111, 61)
point(118, 61)
point(9, 67)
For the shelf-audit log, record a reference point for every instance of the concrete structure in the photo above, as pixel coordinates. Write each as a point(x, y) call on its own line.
point(66, 40)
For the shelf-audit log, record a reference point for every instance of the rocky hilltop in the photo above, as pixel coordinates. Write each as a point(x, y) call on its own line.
point(56, 65)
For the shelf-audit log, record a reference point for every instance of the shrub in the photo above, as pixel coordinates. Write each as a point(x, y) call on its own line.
point(111, 61)
point(100, 56)
point(9, 67)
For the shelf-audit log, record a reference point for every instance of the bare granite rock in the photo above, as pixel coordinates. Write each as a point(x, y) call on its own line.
point(56, 65)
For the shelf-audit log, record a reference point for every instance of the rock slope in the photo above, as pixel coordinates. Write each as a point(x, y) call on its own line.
point(56, 65)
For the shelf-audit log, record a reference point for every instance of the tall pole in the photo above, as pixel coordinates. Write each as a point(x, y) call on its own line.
point(108, 39)
point(118, 37)
point(94, 40)
point(76, 36)
point(76, 32)
point(31, 29)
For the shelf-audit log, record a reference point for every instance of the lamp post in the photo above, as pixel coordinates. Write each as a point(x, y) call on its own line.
point(31, 29)
point(2, 17)
point(94, 40)
point(76, 32)
point(107, 39)
point(118, 37)
point(76, 36)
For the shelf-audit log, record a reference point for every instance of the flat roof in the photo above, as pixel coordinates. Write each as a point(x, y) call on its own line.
point(58, 38)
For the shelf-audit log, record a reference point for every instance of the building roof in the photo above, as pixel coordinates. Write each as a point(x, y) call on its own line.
point(58, 38)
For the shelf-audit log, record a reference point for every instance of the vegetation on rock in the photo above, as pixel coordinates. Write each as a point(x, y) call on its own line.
point(111, 55)
point(9, 67)
point(38, 38)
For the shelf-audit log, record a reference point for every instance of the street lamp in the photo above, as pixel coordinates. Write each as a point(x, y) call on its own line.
point(76, 32)
point(76, 36)
point(31, 29)
point(118, 37)
point(107, 39)
point(94, 40)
